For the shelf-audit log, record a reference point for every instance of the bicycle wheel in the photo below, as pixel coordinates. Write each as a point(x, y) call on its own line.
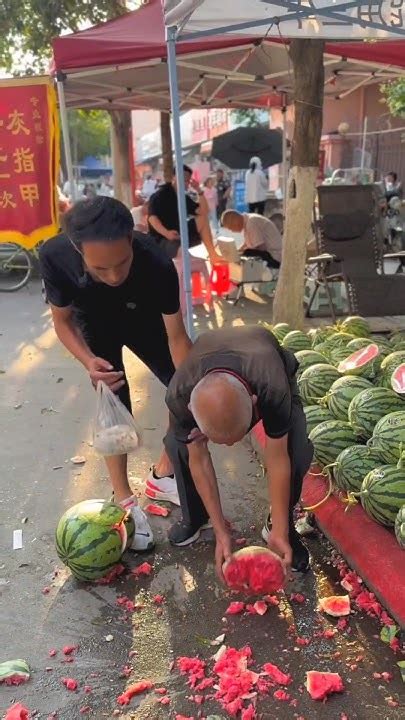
point(15, 267)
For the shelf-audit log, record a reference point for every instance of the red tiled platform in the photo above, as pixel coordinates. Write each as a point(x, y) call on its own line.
point(367, 547)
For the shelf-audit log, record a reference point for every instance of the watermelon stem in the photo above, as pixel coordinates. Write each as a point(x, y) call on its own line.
point(327, 496)
point(351, 500)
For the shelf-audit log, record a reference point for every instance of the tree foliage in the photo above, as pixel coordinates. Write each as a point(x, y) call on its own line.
point(89, 133)
point(28, 27)
point(394, 95)
point(249, 117)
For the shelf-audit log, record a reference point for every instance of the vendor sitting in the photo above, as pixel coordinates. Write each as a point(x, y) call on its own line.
point(261, 236)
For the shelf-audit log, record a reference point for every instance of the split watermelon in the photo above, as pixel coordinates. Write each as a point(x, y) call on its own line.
point(322, 684)
point(398, 380)
point(400, 527)
point(14, 672)
point(91, 537)
point(360, 362)
point(254, 570)
point(392, 361)
point(335, 605)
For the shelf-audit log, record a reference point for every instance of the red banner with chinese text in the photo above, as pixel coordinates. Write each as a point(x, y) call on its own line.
point(29, 161)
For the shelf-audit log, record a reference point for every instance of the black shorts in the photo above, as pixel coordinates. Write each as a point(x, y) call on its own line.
point(171, 247)
point(149, 343)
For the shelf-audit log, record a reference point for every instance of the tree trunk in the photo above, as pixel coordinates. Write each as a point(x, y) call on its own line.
point(167, 149)
point(121, 125)
point(307, 59)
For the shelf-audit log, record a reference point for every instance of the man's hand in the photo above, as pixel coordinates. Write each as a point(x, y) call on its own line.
point(281, 546)
point(223, 551)
point(172, 235)
point(195, 185)
point(216, 259)
point(100, 369)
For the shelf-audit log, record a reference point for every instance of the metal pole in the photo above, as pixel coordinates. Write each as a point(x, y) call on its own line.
point(181, 190)
point(285, 163)
point(65, 134)
point(363, 144)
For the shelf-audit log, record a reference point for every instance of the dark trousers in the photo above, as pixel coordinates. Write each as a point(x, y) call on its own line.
point(149, 345)
point(300, 451)
point(257, 207)
point(264, 255)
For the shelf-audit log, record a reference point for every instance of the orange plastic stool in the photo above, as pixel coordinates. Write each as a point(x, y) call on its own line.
point(219, 279)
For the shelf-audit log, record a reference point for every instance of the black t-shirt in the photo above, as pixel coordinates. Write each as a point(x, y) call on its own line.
point(151, 288)
point(222, 186)
point(255, 356)
point(163, 204)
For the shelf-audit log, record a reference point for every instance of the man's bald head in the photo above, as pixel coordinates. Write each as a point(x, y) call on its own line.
point(222, 407)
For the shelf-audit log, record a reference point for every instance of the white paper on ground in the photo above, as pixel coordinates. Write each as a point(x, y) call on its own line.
point(17, 539)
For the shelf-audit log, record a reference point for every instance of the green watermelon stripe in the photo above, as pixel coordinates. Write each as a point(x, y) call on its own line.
point(92, 545)
point(76, 534)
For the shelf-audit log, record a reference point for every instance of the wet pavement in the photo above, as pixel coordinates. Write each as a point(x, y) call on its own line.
point(46, 409)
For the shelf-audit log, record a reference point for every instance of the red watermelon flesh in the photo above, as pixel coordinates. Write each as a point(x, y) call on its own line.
point(254, 570)
point(17, 712)
point(335, 605)
point(322, 684)
point(398, 380)
point(359, 358)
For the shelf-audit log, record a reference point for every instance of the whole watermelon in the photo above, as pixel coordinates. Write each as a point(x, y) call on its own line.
point(338, 339)
point(319, 335)
point(91, 537)
point(383, 379)
point(398, 346)
point(369, 406)
point(306, 358)
point(341, 393)
point(382, 493)
point(400, 527)
point(329, 439)
point(352, 466)
point(323, 349)
point(389, 436)
point(355, 325)
point(338, 354)
point(315, 414)
point(358, 344)
point(397, 336)
point(280, 330)
point(296, 340)
point(315, 382)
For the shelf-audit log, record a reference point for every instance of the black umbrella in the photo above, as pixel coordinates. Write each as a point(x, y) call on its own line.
point(235, 148)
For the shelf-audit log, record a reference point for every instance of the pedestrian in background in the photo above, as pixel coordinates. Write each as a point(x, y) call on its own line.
point(223, 188)
point(256, 186)
point(211, 196)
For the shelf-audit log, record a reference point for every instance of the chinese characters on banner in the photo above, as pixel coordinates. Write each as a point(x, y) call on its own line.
point(29, 161)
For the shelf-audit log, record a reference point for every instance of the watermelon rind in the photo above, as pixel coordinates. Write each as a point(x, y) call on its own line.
point(389, 436)
point(382, 493)
point(91, 537)
point(369, 406)
point(315, 414)
point(329, 439)
point(341, 393)
point(352, 465)
point(335, 605)
point(400, 527)
point(315, 382)
point(14, 669)
point(296, 340)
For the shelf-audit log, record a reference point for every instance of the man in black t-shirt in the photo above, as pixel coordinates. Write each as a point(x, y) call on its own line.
point(110, 287)
point(231, 379)
point(164, 224)
point(223, 191)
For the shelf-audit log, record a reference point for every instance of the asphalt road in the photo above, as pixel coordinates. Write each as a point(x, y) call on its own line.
point(46, 410)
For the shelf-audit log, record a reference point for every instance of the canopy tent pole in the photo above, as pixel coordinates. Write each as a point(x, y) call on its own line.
point(363, 144)
point(284, 153)
point(60, 78)
point(181, 190)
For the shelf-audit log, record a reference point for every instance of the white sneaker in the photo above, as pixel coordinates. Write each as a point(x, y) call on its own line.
point(164, 488)
point(143, 537)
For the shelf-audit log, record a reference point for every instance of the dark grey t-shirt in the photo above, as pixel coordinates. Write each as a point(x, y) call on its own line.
point(255, 356)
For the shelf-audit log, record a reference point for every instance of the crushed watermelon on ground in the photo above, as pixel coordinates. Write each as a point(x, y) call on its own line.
point(157, 637)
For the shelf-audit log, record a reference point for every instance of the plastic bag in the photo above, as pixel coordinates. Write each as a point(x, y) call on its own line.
point(115, 431)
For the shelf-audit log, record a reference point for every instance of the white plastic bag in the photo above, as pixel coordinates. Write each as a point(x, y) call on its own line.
point(115, 431)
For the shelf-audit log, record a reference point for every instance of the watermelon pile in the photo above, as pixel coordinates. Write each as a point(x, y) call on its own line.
point(352, 385)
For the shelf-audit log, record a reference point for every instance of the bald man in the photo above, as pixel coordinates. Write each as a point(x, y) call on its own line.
point(231, 379)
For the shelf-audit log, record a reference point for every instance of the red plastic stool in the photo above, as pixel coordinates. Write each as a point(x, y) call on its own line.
point(219, 279)
point(201, 287)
